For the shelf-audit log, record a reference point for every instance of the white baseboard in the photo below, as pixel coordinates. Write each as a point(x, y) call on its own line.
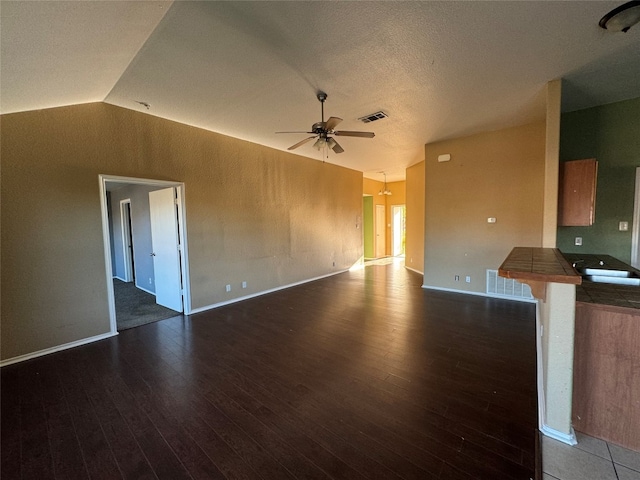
point(264, 292)
point(119, 278)
point(568, 438)
point(145, 290)
point(479, 294)
point(414, 270)
point(47, 351)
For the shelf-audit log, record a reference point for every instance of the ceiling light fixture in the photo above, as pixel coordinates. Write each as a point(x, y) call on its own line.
point(622, 18)
point(385, 191)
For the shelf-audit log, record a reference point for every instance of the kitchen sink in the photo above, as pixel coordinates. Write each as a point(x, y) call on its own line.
point(605, 272)
point(604, 269)
point(617, 277)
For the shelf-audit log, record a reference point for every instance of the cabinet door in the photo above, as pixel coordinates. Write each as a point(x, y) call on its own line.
point(577, 194)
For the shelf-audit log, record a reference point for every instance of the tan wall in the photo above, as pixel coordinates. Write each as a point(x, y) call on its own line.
point(253, 213)
point(496, 174)
point(414, 255)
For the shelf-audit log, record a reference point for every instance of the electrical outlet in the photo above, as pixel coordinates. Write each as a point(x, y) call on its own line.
point(228, 288)
point(578, 241)
point(623, 226)
point(150, 281)
point(467, 279)
point(244, 284)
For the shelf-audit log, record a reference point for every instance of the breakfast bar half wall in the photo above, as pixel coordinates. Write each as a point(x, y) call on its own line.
point(553, 283)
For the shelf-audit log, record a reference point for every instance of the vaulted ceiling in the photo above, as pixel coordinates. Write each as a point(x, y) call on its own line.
point(249, 69)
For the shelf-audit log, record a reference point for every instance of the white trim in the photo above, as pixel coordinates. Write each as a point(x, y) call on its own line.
point(264, 292)
point(125, 228)
point(116, 277)
point(635, 229)
point(568, 438)
point(540, 369)
point(144, 290)
point(111, 299)
point(184, 251)
point(414, 270)
point(479, 294)
point(47, 351)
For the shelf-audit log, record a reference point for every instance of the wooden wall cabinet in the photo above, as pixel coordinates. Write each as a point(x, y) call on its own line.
point(577, 193)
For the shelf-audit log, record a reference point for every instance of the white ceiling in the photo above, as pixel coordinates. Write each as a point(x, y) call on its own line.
point(248, 69)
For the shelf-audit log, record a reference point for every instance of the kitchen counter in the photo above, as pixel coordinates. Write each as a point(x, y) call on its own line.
point(625, 296)
point(537, 267)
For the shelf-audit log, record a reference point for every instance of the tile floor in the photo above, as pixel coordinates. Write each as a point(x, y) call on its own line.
point(590, 459)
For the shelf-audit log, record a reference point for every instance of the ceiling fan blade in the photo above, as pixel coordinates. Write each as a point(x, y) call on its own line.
point(332, 123)
point(300, 143)
point(295, 132)
point(336, 147)
point(346, 133)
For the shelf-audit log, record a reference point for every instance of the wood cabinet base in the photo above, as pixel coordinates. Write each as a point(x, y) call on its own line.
point(606, 383)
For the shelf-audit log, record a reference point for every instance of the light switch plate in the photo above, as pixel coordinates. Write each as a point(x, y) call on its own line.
point(623, 226)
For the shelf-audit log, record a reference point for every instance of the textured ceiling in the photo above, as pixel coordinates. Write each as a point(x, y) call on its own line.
point(248, 69)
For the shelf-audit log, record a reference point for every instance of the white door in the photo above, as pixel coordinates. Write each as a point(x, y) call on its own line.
point(165, 243)
point(381, 237)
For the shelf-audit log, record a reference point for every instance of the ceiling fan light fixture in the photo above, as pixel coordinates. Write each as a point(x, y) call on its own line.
point(622, 18)
point(321, 130)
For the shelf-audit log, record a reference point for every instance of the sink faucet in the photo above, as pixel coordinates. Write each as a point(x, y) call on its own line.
point(577, 262)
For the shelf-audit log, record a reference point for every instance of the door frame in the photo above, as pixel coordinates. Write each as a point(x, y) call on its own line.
point(104, 180)
point(635, 229)
point(127, 235)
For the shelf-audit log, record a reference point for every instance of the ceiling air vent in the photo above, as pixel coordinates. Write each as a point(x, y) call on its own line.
point(373, 117)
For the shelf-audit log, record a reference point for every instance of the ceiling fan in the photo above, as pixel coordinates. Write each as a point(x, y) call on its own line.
point(322, 131)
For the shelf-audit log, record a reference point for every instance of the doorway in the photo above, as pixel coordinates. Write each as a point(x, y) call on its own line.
point(133, 276)
point(635, 229)
point(127, 240)
point(398, 230)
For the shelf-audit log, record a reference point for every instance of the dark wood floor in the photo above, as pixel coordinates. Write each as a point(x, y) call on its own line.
point(361, 375)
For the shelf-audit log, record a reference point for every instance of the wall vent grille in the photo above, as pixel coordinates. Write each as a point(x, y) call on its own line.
point(373, 117)
point(507, 287)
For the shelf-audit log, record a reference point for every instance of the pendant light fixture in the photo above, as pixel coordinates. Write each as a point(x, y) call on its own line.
point(385, 191)
point(622, 18)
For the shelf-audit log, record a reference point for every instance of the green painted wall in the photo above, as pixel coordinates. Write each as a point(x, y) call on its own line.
point(367, 226)
point(611, 134)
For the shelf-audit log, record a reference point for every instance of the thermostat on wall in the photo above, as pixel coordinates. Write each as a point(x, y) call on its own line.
point(445, 157)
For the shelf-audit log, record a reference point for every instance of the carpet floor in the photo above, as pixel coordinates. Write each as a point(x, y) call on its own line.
point(135, 307)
